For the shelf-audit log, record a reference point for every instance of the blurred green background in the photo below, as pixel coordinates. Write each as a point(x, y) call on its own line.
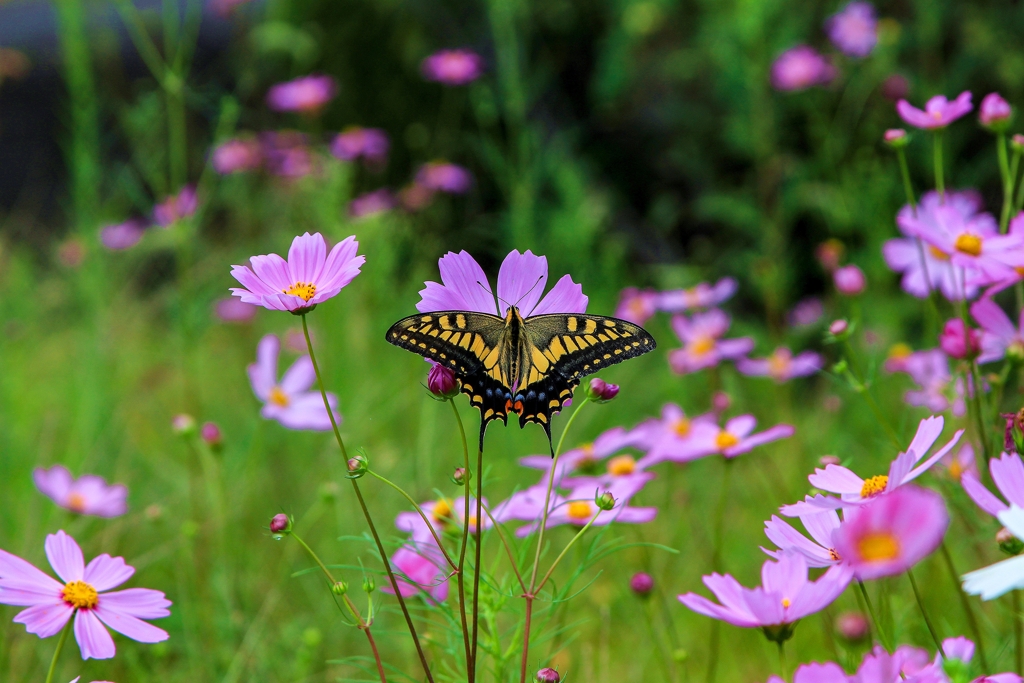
point(633, 143)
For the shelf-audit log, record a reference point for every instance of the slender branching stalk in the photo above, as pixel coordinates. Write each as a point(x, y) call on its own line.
point(924, 614)
point(60, 646)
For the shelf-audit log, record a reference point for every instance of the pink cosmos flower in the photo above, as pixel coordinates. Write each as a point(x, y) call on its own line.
point(676, 437)
point(782, 365)
point(819, 552)
point(87, 495)
point(1007, 474)
point(588, 460)
point(307, 94)
point(806, 312)
point(372, 203)
point(176, 207)
point(527, 505)
point(701, 295)
point(82, 596)
point(854, 29)
point(703, 346)
point(849, 280)
point(369, 143)
point(829, 672)
point(994, 110)
point(453, 67)
point(930, 369)
point(122, 235)
point(1013, 273)
point(236, 156)
point(785, 596)
point(310, 275)
point(800, 68)
point(960, 463)
point(894, 136)
point(416, 572)
point(286, 154)
point(736, 439)
point(441, 176)
point(938, 111)
point(232, 310)
point(289, 401)
point(854, 490)
point(521, 281)
point(961, 649)
point(891, 533)
point(999, 337)
point(578, 507)
point(637, 305)
point(959, 341)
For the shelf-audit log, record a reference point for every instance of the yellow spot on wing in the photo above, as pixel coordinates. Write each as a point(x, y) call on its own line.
point(590, 339)
point(590, 327)
point(571, 324)
point(556, 349)
point(460, 321)
point(540, 361)
point(479, 348)
point(446, 335)
point(444, 322)
point(569, 343)
point(492, 358)
point(467, 339)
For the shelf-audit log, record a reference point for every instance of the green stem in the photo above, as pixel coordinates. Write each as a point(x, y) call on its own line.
point(875, 625)
point(907, 186)
point(479, 547)
point(366, 512)
point(783, 665)
point(716, 561)
point(940, 183)
point(558, 559)
point(924, 615)
point(979, 416)
point(422, 515)
point(1018, 634)
point(1004, 172)
point(465, 536)
point(971, 619)
point(60, 646)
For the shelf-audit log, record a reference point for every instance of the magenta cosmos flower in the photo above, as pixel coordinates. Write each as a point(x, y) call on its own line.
point(355, 142)
point(310, 275)
point(453, 67)
point(703, 346)
point(828, 672)
point(51, 604)
point(1007, 474)
point(800, 68)
point(441, 176)
point(782, 365)
point(419, 572)
point(289, 401)
point(701, 295)
point(854, 490)
point(87, 495)
point(176, 207)
point(521, 281)
point(122, 235)
point(637, 305)
point(819, 550)
point(930, 369)
point(307, 94)
point(999, 337)
point(578, 507)
point(994, 111)
point(286, 154)
point(735, 438)
point(854, 29)
point(849, 280)
point(891, 533)
point(959, 341)
point(938, 111)
point(676, 437)
point(784, 597)
point(236, 155)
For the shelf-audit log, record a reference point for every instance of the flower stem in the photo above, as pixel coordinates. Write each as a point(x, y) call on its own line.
point(875, 625)
point(476, 568)
point(1004, 172)
point(465, 537)
point(422, 515)
point(1018, 633)
point(971, 619)
point(60, 646)
point(783, 666)
point(907, 187)
point(716, 561)
point(940, 183)
point(924, 614)
point(366, 512)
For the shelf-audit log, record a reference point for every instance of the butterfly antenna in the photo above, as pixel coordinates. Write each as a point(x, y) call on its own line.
point(527, 292)
point(484, 287)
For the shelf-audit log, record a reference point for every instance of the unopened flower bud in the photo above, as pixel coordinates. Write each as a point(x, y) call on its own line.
point(852, 627)
point(1008, 543)
point(895, 87)
point(210, 433)
point(995, 113)
point(605, 500)
point(642, 584)
point(827, 460)
point(547, 675)
point(849, 280)
point(339, 587)
point(896, 138)
point(280, 524)
point(1017, 143)
point(829, 253)
point(720, 402)
point(369, 585)
point(838, 327)
point(442, 382)
point(357, 466)
point(183, 425)
point(600, 391)
point(459, 476)
point(959, 341)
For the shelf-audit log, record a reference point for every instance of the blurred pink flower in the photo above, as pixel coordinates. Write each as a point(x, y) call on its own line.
point(703, 346)
point(806, 312)
point(416, 572)
point(237, 155)
point(999, 337)
point(799, 68)
point(960, 463)
point(849, 280)
point(637, 305)
point(586, 460)
point(782, 365)
point(441, 176)
point(415, 197)
point(232, 310)
point(369, 143)
point(785, 596)
point(701, 295)
point(736, 439)
point(577, 507)
point(176, 207)
point(122, 235)
point(309, 277)
point(959, 341)
point(829, 672)
point(453, 67)
point(895, 136)
point(938, 111)
point(87, 495)
point(289, 401)
point(307, 94)
point(1007, 474)
point(854, 29)
point(372, 203)
point(286, 154)
point(676, 437)
point(930, 369)
point(994, 111)
point(891, 533)
point(51, 604)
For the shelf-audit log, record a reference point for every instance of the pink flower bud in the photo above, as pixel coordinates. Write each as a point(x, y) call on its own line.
point(548, 676)
point(721, 401)
point(1017, 142)
point(210, 433)
point(958, 341)
point(600, 391)
point(838, 327)
point(442, 382)
point(995, 112)
point(827, 460)
point(895, 87)
point(829, 253)
point(183, 425)
point(852, 626)
point(642, 584)
point(280, 523)
point(896, 138)
point(850, 280)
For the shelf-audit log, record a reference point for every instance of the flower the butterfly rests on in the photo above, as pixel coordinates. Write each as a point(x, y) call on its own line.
point(525, 354)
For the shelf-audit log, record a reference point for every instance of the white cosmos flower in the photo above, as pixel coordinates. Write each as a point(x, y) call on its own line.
point(1001, 577)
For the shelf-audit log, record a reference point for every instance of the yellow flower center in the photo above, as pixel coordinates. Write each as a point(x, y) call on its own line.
point(472, 522)
point(937, 253)
point(778, 364)
point(900, 350)
point(76, 502)
point(303, 290)
point(637, 307)
point(726, 440)
point(874, 485)
point(279, 398)
point(937, 115)
point(833, 554)
point(702, 345)
point(968, 244)
point(878, 547)
point(955, 470)
point(786, 602)
point(681, 427)
point(621, 465)
point(579, 510)
point(80, 595)
point(442, 510)
point(1019, 270)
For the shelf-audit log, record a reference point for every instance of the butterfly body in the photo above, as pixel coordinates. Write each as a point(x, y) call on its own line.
point(527, 366)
